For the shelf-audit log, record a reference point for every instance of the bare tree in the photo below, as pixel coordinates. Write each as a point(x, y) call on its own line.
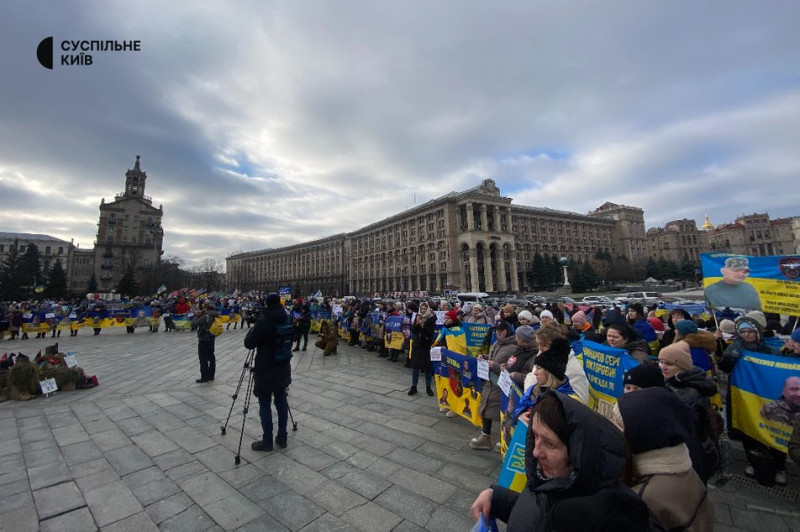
point(208, 274)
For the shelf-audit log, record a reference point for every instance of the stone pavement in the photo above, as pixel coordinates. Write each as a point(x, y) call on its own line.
point(144, 450)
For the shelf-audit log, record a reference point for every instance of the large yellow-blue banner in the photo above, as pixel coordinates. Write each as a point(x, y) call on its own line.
point(770, 284)
point(512, 437)
point(393, 332)
point(458, 386)
point(758, 407)
point(604, 367)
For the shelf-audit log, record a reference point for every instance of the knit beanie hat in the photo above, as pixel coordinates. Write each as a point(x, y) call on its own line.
point(579, 316)
point(654, 418)
point(647, 375)
point(759, 317)
point(796, 336)
point(637, 307)
point(727, 327)
point(678, 353)
point(452, 314)
point(686, 327)
point(546, 314)
point(613, 315)
point(555, 359)
point(656, 323)
point(525, 315)
point(525, 332)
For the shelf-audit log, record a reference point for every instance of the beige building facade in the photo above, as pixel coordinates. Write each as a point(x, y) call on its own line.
point(129, 234)
point(474, 240)
point(754, 234)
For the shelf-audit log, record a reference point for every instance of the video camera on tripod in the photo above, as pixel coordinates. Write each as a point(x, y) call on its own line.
point(248, 369)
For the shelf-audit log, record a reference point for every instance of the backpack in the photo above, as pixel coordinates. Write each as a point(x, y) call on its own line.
point(283, 342)
point(216, 327)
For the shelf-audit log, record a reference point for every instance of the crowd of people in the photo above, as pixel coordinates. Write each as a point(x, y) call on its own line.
point(644, 466)
point(669, 433)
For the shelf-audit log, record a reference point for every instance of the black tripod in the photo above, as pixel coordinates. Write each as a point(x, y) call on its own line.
point(248, 365)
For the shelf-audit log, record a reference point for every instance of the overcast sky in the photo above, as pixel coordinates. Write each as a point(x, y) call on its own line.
point(264, 124)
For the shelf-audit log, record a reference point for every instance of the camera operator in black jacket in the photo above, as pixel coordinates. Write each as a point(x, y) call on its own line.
point(271, 378)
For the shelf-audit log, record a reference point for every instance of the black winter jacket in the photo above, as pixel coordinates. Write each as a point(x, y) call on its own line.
point(592, 494)
point(269, 376)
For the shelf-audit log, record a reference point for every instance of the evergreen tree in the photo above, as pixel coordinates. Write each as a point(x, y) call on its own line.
point(556, 272)
point(540, 272)
point(577, 280)
point(91, 288)
point(687, 270)
point(653, 269)
point(127, 286)
point(590, 279)
point(31, 268)
point(56, 281)
point(621, 270)
point(11, 276)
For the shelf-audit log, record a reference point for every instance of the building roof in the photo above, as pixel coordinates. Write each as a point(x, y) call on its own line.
point(30, 237)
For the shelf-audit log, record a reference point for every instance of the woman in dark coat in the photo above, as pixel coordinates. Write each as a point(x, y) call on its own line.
point(489, 409)
point(424, 329)
point(573, 461)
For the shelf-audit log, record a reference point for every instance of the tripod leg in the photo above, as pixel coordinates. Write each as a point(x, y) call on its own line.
point(294, 424)
point(247, 363)
point(237, 460)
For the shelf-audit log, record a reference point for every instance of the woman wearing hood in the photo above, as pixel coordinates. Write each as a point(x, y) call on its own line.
point(489, 409)
point(763, 460)
point(694, 388)
point(675, 316)
point(657, 427)
point(424, 329)
point(573, 460)
point(621, 336)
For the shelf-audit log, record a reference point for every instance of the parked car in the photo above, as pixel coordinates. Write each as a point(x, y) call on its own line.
point(648, 299)
point(598, 301)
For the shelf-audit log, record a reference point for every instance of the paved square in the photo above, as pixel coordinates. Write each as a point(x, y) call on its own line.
point(144, 450)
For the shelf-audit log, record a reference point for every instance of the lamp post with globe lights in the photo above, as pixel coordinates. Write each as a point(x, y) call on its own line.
point(564, 262)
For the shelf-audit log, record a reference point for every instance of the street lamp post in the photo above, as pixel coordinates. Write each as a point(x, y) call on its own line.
point(564, 262)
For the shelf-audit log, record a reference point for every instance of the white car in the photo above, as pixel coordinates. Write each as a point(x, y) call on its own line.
point(598, 300)
point(647, 299)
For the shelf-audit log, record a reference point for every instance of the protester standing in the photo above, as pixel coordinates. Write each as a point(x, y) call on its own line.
point(272, 377)
point(205, 342)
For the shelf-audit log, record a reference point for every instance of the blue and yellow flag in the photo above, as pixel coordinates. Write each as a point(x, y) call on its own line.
point(770, 284)
point(604, 367)
point(757, 384)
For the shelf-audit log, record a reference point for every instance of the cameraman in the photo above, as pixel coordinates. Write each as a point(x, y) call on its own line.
point(205, 341)
point(271, 377)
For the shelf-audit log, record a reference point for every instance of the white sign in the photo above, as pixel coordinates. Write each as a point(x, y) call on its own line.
point(504, 381)
point(48, 386)
point(440, 317)
point(483, 369)
point(436, 354)
point(70, 361)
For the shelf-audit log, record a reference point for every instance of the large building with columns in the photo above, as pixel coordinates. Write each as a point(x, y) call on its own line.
point(474, 240)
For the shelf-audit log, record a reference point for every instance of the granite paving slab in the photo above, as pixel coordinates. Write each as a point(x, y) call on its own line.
point(141, 453)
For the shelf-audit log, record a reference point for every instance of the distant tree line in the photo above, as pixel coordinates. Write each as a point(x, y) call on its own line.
point(603, 269)
point(22, 277)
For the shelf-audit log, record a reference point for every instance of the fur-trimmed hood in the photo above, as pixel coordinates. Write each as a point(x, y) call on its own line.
point(664, 461)
point(703, 339)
